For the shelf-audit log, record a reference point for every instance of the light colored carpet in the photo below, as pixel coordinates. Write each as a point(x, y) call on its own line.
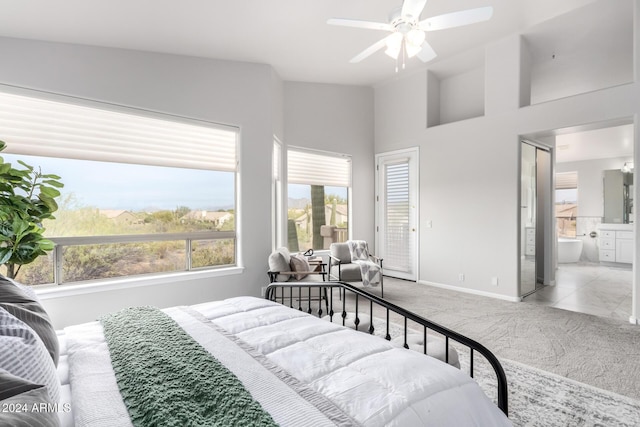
point(601, 352)
point(541, 399)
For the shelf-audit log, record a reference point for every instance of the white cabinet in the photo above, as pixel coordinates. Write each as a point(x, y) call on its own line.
point(624, 246)
point(616, 243)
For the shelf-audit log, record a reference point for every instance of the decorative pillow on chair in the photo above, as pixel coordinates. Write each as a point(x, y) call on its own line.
point(285, 253)
point(300, 263)
point(277, 262)
point(359, 250)
point(22, 302)
point(23, 354)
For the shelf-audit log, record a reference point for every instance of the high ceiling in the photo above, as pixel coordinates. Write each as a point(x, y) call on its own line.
point(290, 35)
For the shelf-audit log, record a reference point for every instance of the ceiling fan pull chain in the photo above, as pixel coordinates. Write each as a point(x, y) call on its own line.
point(404, 51)
point(397, 61)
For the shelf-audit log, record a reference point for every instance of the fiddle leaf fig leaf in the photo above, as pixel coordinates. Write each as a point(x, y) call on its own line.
point(52, 176)
point(53, 183)
point(49, 191)
point(29, 167)
point(5, 254)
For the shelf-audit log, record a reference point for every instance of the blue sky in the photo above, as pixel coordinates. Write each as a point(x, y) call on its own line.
point(107, 185)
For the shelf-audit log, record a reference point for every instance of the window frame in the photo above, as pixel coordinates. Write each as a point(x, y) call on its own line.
point(349, 187)
point(143, 278)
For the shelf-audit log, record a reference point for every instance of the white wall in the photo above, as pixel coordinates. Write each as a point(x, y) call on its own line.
point(247, 95)
point(469, 169)
point(338, 119)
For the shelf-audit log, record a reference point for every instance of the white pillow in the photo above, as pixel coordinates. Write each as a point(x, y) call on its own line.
point(19, 393)
point(23, 354)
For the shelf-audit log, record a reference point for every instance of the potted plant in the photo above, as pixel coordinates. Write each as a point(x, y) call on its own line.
point(27, 197)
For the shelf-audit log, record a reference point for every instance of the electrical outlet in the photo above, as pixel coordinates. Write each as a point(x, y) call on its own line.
point(263, 291)
point(494, 281)
point(461, 277)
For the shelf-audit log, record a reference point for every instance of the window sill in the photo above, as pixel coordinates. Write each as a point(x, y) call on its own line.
point(52, 292)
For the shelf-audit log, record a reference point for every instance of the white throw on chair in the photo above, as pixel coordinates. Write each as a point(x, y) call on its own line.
point(352, 262)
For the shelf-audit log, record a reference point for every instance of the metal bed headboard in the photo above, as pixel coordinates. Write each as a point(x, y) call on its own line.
point(321, 293)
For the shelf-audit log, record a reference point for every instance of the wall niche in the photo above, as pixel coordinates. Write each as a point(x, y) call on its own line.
point(456, 90)
point(585, 50)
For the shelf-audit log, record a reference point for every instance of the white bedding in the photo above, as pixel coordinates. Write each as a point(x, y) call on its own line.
point(371, 380)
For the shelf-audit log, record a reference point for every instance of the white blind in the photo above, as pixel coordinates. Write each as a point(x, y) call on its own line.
point(39, 127)
point(314, 168)
point(397, 251)
point(566, 180)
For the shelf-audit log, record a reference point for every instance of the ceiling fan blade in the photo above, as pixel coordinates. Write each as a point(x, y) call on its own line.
point(370, 50)
point(456, 19)
point(413, 8)
point(360, 24)
point(427, 53)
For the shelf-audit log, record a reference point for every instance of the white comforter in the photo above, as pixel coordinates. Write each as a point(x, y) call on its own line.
point(371, 380)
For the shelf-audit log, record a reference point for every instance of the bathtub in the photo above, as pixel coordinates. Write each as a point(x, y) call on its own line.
point(569, 250)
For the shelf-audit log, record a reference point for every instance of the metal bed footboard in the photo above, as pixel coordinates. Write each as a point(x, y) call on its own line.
point(311, 297)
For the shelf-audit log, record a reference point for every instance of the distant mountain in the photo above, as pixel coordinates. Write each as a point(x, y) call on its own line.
point(298, 203)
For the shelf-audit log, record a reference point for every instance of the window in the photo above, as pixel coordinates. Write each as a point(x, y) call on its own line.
point(318, 199)
point(566, 203)
point(142, 193)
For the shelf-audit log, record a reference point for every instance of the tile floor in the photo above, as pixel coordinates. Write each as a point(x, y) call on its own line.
point(589, 288)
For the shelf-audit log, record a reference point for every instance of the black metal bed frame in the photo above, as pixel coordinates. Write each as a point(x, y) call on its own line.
point(325, 291)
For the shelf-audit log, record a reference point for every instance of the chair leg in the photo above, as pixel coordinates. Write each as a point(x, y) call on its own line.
point(326, 300)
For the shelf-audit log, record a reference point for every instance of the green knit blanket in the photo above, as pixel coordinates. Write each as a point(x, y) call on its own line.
point(167, 379)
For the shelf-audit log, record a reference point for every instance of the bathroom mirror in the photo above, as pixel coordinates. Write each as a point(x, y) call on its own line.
point(618, 196)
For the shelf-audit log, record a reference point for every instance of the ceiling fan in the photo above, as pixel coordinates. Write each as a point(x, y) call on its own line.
point(408, 31)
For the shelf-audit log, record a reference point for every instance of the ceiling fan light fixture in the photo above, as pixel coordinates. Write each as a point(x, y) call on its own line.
point(415, 37)
point(412, 50)
point(394, 44)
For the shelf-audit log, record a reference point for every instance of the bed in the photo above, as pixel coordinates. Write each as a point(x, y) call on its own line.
point(290, 359)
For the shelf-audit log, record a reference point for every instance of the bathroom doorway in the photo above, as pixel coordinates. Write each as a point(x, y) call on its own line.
point(592, 201)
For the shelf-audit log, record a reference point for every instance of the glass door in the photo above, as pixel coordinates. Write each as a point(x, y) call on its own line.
point(535, 218)
point(528, 212)
point(397, 213)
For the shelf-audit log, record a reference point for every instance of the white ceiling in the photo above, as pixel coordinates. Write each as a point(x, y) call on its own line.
point(290, 35)
point(604, 143)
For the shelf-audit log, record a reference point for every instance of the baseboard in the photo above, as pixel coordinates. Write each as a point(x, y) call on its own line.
point(470, 291)
point(633, 320)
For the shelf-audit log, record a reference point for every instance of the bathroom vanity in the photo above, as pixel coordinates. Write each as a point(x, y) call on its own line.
point(615, 243)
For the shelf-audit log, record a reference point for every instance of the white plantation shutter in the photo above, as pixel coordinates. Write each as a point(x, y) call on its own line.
point(318, 168)
point(397, 250)
point(39, 127)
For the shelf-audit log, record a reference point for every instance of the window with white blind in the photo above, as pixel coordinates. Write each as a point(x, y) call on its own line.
point(143, 192)
point(318, 198)
point(566, 203)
